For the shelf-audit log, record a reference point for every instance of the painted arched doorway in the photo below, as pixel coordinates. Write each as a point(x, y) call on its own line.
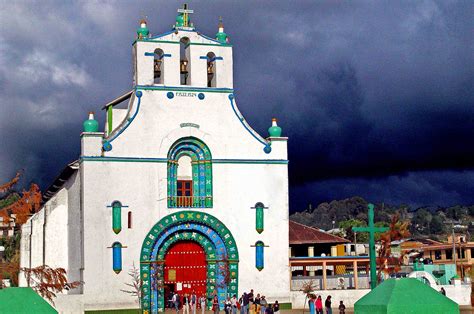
point(185, 227)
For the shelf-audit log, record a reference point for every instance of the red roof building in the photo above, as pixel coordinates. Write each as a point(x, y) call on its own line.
point(302, 234)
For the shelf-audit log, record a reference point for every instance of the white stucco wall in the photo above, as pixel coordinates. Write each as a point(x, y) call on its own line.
point(142, 185)
point(53, 250)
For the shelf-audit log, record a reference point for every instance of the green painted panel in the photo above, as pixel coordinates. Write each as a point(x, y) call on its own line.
point(259, 219)
point(116, 217)
point(109, 119)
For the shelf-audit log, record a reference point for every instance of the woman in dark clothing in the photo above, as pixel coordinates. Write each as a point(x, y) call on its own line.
point(327, 305)
point(215, 305)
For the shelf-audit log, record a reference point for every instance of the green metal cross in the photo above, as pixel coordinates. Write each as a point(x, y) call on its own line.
point(371, 229)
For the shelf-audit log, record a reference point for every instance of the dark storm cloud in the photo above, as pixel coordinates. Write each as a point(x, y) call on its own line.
point(366, 91)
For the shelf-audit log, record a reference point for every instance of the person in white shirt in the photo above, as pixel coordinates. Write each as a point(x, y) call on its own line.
point(202, 300)
point(233, 301)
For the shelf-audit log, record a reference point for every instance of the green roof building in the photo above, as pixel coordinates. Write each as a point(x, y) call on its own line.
point(405, 296)
point(23, 300)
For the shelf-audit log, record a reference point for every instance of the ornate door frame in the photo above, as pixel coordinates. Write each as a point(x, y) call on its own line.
point(210, 233)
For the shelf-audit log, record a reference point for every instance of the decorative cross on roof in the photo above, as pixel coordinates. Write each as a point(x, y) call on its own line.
point(185, 12)
point(371, 229)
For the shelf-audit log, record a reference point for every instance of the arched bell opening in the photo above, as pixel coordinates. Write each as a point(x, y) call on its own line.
point(211, 69)
point(158, 67)
point(184, 66)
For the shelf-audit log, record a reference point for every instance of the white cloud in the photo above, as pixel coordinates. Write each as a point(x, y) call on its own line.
point(44, 66)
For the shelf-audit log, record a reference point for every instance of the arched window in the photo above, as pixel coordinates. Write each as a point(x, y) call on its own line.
point(259, 257)
point(116, 216)
point(184, 61)
point(211, 69)
point(117, 257)
point(158, 67)
point(189, 174)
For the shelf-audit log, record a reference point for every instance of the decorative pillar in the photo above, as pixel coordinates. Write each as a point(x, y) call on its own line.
point(324, 276)
point(356, 275)
point(311, 254)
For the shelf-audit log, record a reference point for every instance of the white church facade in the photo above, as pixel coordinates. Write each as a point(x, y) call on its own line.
point(177, 184)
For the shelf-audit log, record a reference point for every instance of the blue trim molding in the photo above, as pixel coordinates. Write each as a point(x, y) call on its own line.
point(210, 59)
point(107, 144)
point(165, 160)
point(152, 54)
point(186, 89)
point(267, 148)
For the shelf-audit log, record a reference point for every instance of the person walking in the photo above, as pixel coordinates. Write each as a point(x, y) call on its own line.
point(193, 302)
point(215, 304)
point(244, 309)
point(186, 303)
point(251, 302)
point(319, 305)
point(327, 305)
point(233, 303)
point(175, 300)
point(202, 300)
point(170, 300)
point(263, 304)
point(311, 304)
point(342, 308)
point(228, 306)
point(256, 304)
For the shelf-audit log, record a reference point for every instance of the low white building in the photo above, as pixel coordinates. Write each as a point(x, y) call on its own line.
point(178, 184)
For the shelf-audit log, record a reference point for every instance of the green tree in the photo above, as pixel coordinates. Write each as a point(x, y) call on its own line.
point(436, 225)
point(347, 226)
point(421, 222)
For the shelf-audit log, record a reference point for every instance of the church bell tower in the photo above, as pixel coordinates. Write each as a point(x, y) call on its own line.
point(182, 56)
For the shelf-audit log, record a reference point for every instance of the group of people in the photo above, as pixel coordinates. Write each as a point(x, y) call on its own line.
point(189, 303)
point(256, 304)
point(316, 305)
point(247, 304)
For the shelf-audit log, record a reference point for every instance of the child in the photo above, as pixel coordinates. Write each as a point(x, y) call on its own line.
point(342, 308)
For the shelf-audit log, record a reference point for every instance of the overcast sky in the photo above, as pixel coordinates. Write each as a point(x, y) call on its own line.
point(376, 96)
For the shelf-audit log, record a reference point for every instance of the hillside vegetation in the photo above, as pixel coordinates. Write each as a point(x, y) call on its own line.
point(433, 222)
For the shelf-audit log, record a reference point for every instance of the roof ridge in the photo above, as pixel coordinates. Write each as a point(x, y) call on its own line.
point(319, 230)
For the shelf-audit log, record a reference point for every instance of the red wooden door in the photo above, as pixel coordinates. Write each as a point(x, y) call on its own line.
point(185, 266)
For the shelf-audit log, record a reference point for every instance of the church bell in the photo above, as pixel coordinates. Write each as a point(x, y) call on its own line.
point(184, 66)
point(157, 68)
point(210, 73)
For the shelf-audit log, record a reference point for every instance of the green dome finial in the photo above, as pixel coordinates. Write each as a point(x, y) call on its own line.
point(274, 130)
point(91, 125)
point(143, 31)
point(179, 20)
point(221, 36)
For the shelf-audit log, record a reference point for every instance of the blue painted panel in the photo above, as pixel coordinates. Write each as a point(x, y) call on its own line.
point(259, 264)
point(117, 257)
